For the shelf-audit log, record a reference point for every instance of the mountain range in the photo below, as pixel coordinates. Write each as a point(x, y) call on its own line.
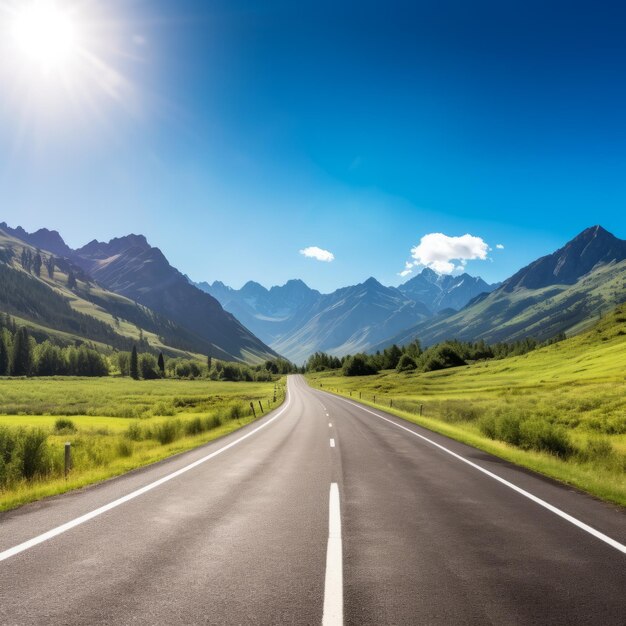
point(125, 290)
point(564, 291)
point(298, 321)
point(125, 282)
point(560, 292)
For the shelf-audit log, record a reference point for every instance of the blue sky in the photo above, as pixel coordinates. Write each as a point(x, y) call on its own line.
point(239, 133)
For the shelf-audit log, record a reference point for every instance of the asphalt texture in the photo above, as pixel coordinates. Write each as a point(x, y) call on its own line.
point(242, 537)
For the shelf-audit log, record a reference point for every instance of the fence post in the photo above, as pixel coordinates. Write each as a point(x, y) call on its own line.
point(391, 403)
point(359, 395)
point(253, 411)
point(261, 407)
point(421, 407)
point(374, 398)
point(68, 458)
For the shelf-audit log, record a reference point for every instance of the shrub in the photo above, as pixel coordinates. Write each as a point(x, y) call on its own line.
point(539, 435)
point(508, 428)
point(167, 432)
point(135, 432)
point(526, 433)
point(148, 367)
point(124, 448)
point(8, 445)
point(194, 426)
point(64, 425)
point(442, 357)
point(34, 452)
point(359, 365)
point(235, 411)
point(460, 412)
point(214, 421)
point(487, 425)
point(599, 450)
point(164, 409)
point(406, 364)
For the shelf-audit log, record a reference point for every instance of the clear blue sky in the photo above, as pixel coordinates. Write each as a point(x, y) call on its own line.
point(246, 131)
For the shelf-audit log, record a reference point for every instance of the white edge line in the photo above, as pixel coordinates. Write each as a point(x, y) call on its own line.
point(26, 545)
point(572, 520)
point(333, 584)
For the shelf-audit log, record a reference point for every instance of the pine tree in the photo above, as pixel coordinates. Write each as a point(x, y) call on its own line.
point(209, 362)
point(4, 356)
point(134, 364)
point(71, 280)
point(37, 262)
point(22, 358)
point(50, 267)
point(161, 364)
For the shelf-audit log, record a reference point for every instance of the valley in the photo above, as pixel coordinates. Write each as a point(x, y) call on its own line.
point(559, 410)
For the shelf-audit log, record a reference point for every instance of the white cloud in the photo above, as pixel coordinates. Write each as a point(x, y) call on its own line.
point(408, 269)
point(446, 255)
point(500, 246)
point(313, 252)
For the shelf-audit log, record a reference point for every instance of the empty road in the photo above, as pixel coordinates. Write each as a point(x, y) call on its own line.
point(324, 510)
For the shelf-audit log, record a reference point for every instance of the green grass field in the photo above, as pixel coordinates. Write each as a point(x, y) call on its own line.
point(117, 424)
point(571, 394)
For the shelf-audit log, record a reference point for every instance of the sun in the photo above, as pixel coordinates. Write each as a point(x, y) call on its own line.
point(46, 35)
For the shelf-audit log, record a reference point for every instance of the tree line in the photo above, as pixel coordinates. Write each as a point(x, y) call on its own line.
point(412, 357)
point(147, 366)
point(21, 355)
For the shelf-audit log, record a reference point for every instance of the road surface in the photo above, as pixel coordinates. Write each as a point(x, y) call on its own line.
point(322, 510)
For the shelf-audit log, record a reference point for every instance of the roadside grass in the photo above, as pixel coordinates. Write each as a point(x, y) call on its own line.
point(560, 410)
point(166, 417)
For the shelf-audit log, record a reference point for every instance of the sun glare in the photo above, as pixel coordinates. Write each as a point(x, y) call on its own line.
point(46, 36)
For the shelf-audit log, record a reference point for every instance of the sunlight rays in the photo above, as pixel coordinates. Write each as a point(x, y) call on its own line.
point(56, 57)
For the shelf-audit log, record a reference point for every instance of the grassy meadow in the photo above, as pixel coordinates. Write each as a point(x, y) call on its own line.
point(113, 424)
point(560, 410)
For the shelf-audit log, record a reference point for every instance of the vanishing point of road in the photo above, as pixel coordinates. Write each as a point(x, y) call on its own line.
point(323, 511)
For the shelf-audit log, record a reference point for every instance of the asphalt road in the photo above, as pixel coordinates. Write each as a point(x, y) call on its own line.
point(322, 509)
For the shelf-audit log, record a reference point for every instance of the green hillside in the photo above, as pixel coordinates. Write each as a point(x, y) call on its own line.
point(560, 410)
point(539, 313)
point(51, 307)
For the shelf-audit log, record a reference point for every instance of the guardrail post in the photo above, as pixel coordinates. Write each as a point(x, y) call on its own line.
point(68, 458)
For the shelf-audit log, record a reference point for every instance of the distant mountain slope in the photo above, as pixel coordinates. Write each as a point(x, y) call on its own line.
point(442, 291)
point(297, 321)
point(593, 247)
point(131, 267)
point(271, 314)
point(85, 312)
point(131, 286)
point(353, 319)
point(562, 292)
point(43, 239)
